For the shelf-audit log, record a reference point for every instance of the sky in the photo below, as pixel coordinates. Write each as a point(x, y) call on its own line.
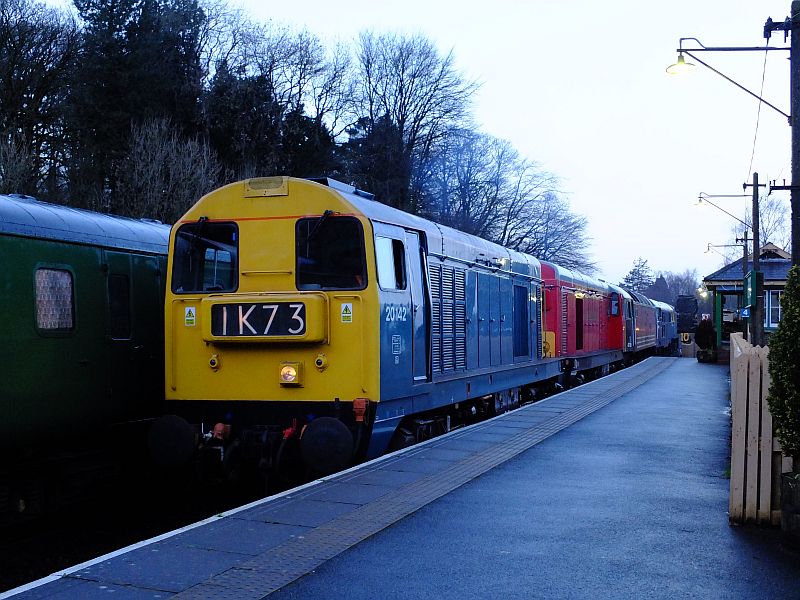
point(580, 87)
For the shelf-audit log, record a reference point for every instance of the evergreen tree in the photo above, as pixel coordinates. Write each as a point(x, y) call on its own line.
point(139, 60)
point(784, 370)
point(244, 124)
point(307, 146)
point(639, 278)
point(375, 160)
point(99, 118)
point(164, 46)
point(660, 291)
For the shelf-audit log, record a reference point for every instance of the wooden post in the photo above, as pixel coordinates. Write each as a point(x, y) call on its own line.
point(739, 429)
point(753, 432)
point(765, 446)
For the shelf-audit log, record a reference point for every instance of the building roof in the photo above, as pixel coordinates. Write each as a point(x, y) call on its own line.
point(774, 263)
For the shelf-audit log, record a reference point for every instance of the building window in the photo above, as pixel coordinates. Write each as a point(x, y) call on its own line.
point(773, 316)
point(54, 300)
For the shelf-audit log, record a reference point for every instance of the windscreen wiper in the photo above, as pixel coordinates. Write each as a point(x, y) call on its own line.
point(319, 224)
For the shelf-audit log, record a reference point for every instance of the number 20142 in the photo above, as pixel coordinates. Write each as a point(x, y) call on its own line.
point(396, 313)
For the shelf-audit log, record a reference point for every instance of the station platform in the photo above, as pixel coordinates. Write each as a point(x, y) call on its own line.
point(617, 488)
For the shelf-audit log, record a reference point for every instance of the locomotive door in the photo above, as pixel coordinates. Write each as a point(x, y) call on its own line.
point(630, 326)
point(396, 276)
point(416, 258)
point(484, 315)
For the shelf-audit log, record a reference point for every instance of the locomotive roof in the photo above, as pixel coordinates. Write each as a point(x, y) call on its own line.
point(442, 240)
point(663, 305)
point(28, 217)
point(578, 279)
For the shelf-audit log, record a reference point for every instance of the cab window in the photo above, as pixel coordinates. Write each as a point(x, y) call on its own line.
point(330, 253)
point(391, 258)
point(205, 258)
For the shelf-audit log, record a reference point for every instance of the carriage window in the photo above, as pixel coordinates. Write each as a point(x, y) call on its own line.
point(391, 258)
point(54, 300)
point(204, 258)
point(119, 307)
point(330, 253)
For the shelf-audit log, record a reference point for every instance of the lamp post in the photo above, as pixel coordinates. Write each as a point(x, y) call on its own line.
point(756, 324)
point(742, 243)
point(756, 320)
point(790, 25)
point(703, 198)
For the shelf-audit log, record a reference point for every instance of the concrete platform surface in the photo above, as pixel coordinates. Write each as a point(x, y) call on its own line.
point(615, 489)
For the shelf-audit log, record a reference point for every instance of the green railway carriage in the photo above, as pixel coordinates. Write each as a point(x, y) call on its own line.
point(81, 322)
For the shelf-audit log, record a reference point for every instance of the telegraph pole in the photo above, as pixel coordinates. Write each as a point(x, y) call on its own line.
point(794, 87)
point(756, 318)
point(792, 26)
point(743, 239)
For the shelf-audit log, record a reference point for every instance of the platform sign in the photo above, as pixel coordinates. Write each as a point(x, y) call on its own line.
point(745, 313)
point(753, 284)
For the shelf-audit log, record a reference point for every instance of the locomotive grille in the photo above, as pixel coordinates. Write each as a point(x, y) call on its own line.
point(460, 324)
point(448, 314)
point(538, 321)
point(460, 286)
point(436, 353)
point(435, 275)
point(448, 354)
point(448, 318)
point(461, 334)
point(563, 322)
point(447, 284)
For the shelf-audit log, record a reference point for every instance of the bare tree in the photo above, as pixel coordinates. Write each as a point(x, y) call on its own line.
point(38, 46)
point(165, 174)
point(419, 91)
point(221, 35)
point(466, 181)
point(549, 230)
point(481, 185)
point(16, 165)
point(774, 227)
point(682, 284)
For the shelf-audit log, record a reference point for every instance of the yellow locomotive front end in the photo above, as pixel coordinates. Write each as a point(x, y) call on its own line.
point(270, 325)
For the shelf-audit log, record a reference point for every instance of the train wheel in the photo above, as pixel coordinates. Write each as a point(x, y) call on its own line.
point(402, 438)
point(327, 445)
point(171, 442)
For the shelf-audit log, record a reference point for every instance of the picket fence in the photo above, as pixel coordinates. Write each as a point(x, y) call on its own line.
point(756, 458)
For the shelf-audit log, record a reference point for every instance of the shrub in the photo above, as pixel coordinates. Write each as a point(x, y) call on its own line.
point(784, 370)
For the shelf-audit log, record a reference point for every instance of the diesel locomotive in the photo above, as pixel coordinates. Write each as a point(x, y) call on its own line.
point(304, 321)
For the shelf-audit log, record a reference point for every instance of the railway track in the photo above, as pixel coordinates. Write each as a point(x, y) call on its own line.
point(110, 514)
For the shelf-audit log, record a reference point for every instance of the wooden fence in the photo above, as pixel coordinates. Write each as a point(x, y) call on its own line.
point(756, 458)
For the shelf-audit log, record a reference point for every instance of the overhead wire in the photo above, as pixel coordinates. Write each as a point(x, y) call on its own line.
point(758, 117)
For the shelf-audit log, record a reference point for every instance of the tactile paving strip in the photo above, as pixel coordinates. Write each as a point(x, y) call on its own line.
point(283, 564)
